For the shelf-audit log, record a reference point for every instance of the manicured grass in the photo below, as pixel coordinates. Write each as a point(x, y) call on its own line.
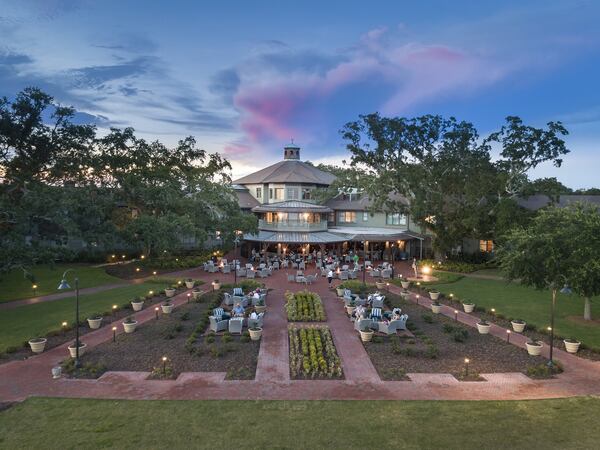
point(15, 286)
point(520, 302)
point(25, 322)
point(68, 423)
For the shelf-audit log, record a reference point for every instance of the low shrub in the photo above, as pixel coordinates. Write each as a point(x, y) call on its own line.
point(210, 339)
point(460, 335)
point(428, 318)
point(304, 306)
point(432, 352)
point(544, 371)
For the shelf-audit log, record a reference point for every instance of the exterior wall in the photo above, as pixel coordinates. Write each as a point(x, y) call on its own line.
point(265, 191)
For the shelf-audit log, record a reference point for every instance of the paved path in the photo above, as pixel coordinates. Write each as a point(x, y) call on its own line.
point(20, 379)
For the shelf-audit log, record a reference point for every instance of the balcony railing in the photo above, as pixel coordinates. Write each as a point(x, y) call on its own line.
point(292, 225)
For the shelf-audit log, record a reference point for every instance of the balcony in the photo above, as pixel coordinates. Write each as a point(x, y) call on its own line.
point(292, 225)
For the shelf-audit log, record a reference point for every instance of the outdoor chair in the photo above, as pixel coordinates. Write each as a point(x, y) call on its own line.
point(375, 273)
point(377, 302)
point(241, 272)
point(212, 268)
point(294, 265)
point(236, 324)
point(344, 275)
point(217, 324)
point(264, 273)
point(284, 264)
point(228, 299)
point(376, 314)
point(300, 279)
point(368, 263)
point(262, 266)
point(302, 265)
point(386, 273)
point(362, 324)
point(261, 297)
point(224, 261)
point(276, 265)
point(249, 266)
point(218, 313)
point(309, 279)
point(226, 269)
point(251, 274)
point(238, 291)
point(290, 278)
point(323, 272)
point(345, 267)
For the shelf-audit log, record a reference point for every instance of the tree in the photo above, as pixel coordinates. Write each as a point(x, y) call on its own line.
point(547, 186)
point(549, 253)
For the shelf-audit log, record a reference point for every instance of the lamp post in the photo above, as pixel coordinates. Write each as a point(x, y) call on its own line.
point(567, 291)
point(364, 264)
point(64, 285)
point(236, 241)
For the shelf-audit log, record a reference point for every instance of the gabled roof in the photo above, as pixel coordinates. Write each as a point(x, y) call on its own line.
point(288, 171)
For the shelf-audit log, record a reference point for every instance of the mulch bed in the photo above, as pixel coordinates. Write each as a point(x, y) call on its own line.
point(143, 350)
point(57, 338)
point(534, 335)
point(434, 351)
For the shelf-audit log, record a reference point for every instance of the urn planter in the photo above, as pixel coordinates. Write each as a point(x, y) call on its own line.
point(366, 335)
point(137, 306)
point(340, 291)
point(260, 309)
point(534, 348)
point(169, 292)
point(255, 333)
point(216, 285)
point(436, 308)
point(572, 345)
point(483, 327)
point(518, 325)
point(349, 310)
point(37, 345)
point(468, 307)
point(94, 322)
point(380, 285)
point(167, 308)
point(434, 295)
point(56, 372)
point(73, 349)
point(405, 284)
point(130, 327)
point(196, 294)
point(189, 284)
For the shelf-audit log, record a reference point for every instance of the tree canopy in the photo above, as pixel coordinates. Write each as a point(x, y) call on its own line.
point(62, 182)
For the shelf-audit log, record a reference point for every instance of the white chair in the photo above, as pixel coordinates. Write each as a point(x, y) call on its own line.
point(290, 277)
point(226, 269)
point(236, 324)
point(217, 324)
point(251, 274)
point(302, 265)
point(241, 272)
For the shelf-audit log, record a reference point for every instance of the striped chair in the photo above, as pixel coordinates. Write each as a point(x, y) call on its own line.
point(218, 313)
point(376, 314)
point(238, 291)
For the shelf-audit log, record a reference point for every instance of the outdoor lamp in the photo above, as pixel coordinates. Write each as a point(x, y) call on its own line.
point(456, 315)
point(114, 330)
point(65, 285)
point(507, 335)
point(566, 290)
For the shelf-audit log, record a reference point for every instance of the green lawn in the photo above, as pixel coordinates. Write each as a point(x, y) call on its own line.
point(15, 286)
point(67, 423)
point(516, 301)
point(25, 322)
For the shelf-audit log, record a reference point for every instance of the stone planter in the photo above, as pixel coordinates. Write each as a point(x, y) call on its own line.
point(189, 284)
point(260, 309)
point(380, 285)
point(483, 328)
point(56, 372)
point(572, 346)
point(340, 292)
point(167, 308)
point(434, 295)
point(94, 322)
point(436, 308)
point(73, 349)
point(137, 306)
point(468, 307)
point(38, 345)
point(366, 336)
point(349, 310)
point(130, 327)
point(519, 327)
point(169, 292)
point(255, 333)
point(534, 348)
point(405, 284)
point(196, 294)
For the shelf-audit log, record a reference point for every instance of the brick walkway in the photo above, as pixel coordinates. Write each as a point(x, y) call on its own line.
point(20, 379)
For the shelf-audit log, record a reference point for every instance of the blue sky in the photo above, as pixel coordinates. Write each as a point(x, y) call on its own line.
point(245, 77)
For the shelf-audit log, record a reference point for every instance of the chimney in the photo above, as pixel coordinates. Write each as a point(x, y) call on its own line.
point(291, 151)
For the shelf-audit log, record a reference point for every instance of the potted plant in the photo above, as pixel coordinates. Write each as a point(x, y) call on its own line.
point(534, 348)
point(340, 291)
point(434, 295)
point(483, 326)
point(380, 285)
point(37, 344)
point(350, 307)
point(518, 325)
point(169, 292)
point(129, 325)
point(260, 306)
point(366, 334)
point(189, 283)
point(405, 285)
point(73, 349)
point(216, 285)
point(167, 307)
point(572, 345)
point(137, 304)
point(255, 333)
point(95, 322)
point(436, 307)
point(196, 293)
point(468, 307)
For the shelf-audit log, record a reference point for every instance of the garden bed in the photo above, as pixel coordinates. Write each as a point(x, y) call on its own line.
point(440, 345)
point(313, 354)
point(304, 306)
point(178, 337)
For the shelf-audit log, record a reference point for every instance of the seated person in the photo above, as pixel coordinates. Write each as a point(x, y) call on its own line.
point(359, 310)
point(396, 314)
point(238, 310)
point(256, 294)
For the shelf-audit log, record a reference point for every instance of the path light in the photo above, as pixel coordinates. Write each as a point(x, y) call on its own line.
point(467, 361)
point(156, 312)
point(113, 256)
point(188, 297)
point(451, 296)
point(507, 335)
point(164, 363)
point(154, 272)
point(123, 256)
point(417, 296)
point(142, 257)
point(151, 292)
point(456, 315)
point(114, 309)
point(493, 311)
point(137, 269)
point(179, 282)
point(64, 327)
point(426, 270)
point(387, 286)
point(114, 334)
point(34, 287)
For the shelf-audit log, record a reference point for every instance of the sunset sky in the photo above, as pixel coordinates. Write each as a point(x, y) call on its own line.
point(245, 77)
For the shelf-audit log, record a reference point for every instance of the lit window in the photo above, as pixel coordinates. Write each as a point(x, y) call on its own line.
point(395, 219)
point(486, 246)
point(365, 216)
point(347, 217)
